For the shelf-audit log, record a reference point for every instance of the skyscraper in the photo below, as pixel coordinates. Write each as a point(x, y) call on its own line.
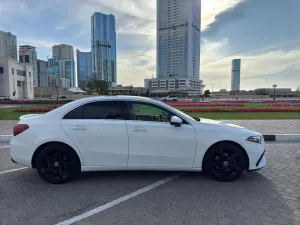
point(235, 74)
point(28, 54)
point(63, 51)
point(8, 46)
point(84, 68)
point(103, 46)
point(64, 64)
point(42, 73)
point(178, 38)
point(67, 72)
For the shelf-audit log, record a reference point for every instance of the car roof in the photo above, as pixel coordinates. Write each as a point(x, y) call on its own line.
point(59, 112)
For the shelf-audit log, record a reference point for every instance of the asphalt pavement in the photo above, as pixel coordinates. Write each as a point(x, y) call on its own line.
point(268, 196)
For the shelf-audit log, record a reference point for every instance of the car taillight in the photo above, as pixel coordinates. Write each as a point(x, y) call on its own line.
point(18, 129)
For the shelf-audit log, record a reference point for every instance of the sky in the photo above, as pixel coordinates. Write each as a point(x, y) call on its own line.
point(264, 34)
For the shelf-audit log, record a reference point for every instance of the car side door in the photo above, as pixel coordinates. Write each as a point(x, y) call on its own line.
point(98, 130)
point(154, 142)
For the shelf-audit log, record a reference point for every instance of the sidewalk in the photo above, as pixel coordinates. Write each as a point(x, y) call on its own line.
point(265, 127)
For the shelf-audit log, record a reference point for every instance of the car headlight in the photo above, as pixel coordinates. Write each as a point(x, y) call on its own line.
point(255, 139)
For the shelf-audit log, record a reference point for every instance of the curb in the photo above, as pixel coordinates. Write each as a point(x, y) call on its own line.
point(283, 137)
point(268, 138)
point(5, 138)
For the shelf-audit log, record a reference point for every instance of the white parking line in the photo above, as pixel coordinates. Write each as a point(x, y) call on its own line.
point(4, 147)
point(118, 201)
point(9, 171)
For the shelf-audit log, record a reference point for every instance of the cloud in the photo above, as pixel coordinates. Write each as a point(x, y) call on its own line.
point(257, 69)
point(211, 9)
point(59, 27)
point(222, 19)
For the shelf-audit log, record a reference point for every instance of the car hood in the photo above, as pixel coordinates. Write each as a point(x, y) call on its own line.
point(223, 126)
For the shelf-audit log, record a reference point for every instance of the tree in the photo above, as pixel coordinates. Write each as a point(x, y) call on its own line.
point(147, 93)
point(261, 92)
point(97, 86)
point(223, 90)
point(207, 93)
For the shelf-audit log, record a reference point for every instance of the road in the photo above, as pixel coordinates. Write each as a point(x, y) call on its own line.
point(268, 196)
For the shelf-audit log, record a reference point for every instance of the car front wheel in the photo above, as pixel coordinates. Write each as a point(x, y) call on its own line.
point(57, 164)
point(224, 162)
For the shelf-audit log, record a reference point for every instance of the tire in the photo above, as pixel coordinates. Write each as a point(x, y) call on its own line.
point(224, 162)
point(57, 164)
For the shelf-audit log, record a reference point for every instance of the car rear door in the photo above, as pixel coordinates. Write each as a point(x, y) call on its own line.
point(98, 129)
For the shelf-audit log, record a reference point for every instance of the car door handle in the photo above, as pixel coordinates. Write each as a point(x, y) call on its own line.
point(140, 129)
point(77, 127)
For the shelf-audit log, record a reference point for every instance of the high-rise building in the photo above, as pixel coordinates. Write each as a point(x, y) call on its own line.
point(8, 46)
point(63, 51)
point(235, 74)
point(178, 38)
point(84, 68)
point(67, 71)
point(28, 54)
point(42, 73)
point(103, 29)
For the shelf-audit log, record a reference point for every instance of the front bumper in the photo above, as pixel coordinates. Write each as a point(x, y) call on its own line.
point(261, 162)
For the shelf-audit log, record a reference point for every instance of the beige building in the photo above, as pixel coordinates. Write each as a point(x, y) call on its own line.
point(16, 79)
point(63, 51)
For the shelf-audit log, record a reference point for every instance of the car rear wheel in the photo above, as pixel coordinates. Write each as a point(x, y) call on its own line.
point(224, 162)
point(57, 164)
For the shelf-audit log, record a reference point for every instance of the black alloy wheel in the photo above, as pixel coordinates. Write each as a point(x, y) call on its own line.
point(57, 164)
point(224, 162)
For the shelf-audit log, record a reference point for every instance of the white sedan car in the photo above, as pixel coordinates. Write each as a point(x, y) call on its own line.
point(132, 133)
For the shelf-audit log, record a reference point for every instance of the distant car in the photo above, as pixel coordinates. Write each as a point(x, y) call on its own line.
point(170, 98)
point(4, 98)
point(63, 97)
point(132, 133)
point(51, 97)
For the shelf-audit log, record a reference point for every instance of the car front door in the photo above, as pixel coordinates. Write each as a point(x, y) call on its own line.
point(99, 131)
point(154, 142)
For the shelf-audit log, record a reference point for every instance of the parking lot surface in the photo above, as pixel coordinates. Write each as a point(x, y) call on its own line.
point(268, 196)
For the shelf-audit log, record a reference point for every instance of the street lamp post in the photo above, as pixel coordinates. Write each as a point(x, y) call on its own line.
point(274, 86)
point(56, 91)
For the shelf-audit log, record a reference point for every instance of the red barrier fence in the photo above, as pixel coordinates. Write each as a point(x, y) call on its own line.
point(246, 110)
point(204, 104)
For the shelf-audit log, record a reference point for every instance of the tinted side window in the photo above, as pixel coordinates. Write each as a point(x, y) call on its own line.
point(75, 114)
point(148, 112)
point(102, 110)
point(97, 110)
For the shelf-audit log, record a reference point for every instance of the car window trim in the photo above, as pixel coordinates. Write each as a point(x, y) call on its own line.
point(159, 106)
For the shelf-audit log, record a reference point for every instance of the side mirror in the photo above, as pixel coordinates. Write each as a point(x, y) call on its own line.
point(176, 121)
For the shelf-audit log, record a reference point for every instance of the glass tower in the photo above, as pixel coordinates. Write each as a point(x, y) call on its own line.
point(178, 38)
point(84, 68)
point(103, 47)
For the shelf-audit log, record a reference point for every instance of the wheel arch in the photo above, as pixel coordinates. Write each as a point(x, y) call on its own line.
point(230, 142)
point(39, 149)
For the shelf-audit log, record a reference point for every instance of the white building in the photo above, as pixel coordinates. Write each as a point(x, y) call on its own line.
point(63, 51)
point(8, 46)
point(235, 74)
point(173, 84)
point(16, 79)
point(178, 38)
point(28, 54)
